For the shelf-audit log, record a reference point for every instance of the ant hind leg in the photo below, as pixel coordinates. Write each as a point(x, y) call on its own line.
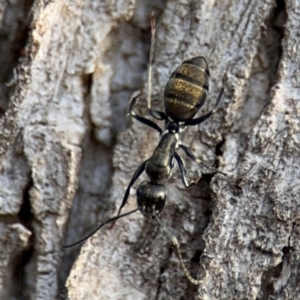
point(140, 118)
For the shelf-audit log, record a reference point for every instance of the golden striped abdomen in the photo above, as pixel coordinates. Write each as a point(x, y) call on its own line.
point(186, 89)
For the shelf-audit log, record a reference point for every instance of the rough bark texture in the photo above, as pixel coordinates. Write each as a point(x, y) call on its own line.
point(68, 151)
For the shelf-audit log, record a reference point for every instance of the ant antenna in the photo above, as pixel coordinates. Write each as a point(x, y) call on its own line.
point(99, 227)
point(153, 29)
point(177, 245)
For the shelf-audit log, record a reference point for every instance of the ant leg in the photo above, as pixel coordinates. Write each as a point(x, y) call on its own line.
point(188, 152)
point(142, 119)
point(183, 172)
point(159, 115)
point(201, 119)
point(135, 176)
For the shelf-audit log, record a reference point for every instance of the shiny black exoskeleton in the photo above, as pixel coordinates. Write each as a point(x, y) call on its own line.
point(184, 94)
point(151, 195)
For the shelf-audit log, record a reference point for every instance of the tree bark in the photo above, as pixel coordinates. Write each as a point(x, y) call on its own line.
point(68, 151)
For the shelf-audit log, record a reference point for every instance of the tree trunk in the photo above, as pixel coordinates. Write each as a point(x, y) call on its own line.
point(68, 151)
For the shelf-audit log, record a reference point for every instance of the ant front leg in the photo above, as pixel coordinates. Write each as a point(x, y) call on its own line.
point(135, 176)
point(183, 172)
point(142, 119)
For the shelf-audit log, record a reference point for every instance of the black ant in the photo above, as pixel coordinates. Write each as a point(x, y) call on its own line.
point(184, 95)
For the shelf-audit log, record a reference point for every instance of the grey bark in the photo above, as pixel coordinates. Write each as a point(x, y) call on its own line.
point(68, 151)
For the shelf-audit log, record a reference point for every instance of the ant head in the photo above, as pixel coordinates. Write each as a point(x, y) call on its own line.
point(151, 199)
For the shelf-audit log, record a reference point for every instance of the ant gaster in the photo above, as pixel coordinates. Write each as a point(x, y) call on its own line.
point(184, 95)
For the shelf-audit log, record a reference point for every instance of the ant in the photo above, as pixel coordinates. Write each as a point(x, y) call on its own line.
point(184, 95)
